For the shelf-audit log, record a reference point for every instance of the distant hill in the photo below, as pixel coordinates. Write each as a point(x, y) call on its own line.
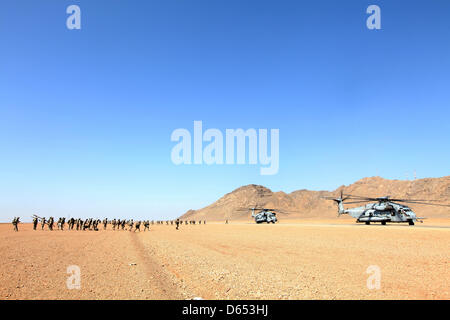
point(310, 204)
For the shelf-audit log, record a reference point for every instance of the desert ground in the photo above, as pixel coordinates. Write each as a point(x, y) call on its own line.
point(302, 259)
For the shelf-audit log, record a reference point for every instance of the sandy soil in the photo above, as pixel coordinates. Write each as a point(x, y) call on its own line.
point(305, 259)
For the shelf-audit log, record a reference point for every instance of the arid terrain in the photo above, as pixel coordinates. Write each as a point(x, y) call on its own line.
point(311, 204)
point(302, 259)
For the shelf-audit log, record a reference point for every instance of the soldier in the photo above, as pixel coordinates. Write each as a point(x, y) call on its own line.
point(15, 222)
point(35, 222)
point(51, 221)
point(146, 225)
point(105, 222)
point(137, 226)
point(204, 221)
point(95, 224)
point(123, 224)
point(130, 224)
point(226, 222)
point(42, 223)
point(63, 222)
point(71, 223)
point(177, 223)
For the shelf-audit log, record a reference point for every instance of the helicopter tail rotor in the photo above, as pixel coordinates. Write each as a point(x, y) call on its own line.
point(340, 202)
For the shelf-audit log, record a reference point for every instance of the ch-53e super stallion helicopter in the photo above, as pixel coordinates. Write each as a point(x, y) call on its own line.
point(385, 209)
point(264, 214)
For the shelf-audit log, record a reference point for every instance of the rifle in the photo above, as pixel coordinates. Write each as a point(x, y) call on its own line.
point(36, 216)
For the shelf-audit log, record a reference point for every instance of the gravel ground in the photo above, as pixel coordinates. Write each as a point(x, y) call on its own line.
point(296, 260)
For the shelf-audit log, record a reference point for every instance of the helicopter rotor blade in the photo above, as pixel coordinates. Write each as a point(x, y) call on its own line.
point(400, 200)
point(387, 198)
point(285, 211)
point(355, 196)
point(352, 196)
point(360, 201)
point(361, 198)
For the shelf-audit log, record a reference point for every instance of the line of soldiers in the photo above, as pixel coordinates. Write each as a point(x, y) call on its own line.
point(118, 224)
point(93, 224)
point(179, 221)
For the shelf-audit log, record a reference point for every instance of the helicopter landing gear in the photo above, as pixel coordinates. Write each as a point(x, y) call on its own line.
point(383, 223)
point(367, 222)
point(410, 222)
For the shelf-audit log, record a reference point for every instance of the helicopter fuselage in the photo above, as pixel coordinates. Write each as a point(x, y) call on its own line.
point(381, 212)
point(265, 216)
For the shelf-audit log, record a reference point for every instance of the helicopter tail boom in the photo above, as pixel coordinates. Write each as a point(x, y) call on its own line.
point(340, 203)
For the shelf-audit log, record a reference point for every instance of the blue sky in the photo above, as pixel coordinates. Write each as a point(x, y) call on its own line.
point(86, 115)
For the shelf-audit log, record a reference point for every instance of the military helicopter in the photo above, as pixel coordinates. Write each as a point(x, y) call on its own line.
point(384, 209)
point(263, 214)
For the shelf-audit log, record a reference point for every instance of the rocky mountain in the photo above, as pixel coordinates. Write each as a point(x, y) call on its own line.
point(310, 204)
